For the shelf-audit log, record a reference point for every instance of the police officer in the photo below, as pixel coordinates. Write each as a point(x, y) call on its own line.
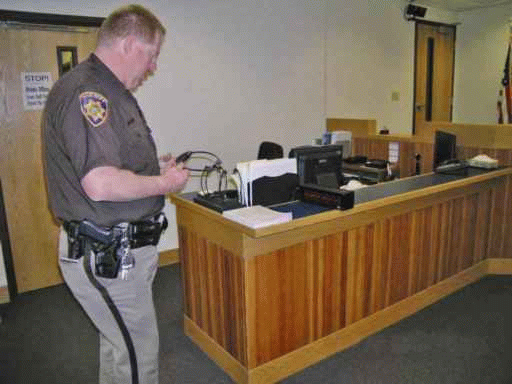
point(106, 186)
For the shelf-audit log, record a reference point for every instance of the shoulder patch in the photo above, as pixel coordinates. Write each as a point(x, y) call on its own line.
point(94, 107)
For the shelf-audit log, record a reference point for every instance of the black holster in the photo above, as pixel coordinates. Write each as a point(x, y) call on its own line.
point(84, 236)
point(107, 260)
point(105, 243)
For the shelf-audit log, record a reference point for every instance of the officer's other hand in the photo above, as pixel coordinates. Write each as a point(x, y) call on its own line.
point(164, 160)
point(175, 176)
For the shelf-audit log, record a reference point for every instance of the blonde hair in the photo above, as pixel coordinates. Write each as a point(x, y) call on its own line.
point(130, 20)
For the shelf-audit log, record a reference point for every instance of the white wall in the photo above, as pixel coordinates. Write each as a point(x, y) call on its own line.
point(482, 41)
point(232, 74)
point(370, 54)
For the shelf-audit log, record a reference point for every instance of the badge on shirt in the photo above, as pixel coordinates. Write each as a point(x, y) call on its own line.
point(94, 107)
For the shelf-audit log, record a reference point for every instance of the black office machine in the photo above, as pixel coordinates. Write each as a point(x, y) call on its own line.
point(320, 165)
point(219, 201)
point(334, 198)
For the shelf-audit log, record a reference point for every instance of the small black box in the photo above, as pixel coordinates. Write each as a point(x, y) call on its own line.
point(326, 196)
point(415, 10)
point(219, 201)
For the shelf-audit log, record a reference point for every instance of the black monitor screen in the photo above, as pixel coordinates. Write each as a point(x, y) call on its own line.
point(319, 165)
point(444, 147)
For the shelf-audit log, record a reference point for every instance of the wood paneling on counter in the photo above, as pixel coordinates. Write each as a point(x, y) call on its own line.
point(213, 286)
point(358, 127)
point(263, 308)
point(493, 136)
point(494, 140)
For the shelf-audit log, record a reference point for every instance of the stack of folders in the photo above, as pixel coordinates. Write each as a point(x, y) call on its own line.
point(251, 170)
point(257, 216)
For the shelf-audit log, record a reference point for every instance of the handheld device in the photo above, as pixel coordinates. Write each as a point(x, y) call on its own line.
point(183, 157)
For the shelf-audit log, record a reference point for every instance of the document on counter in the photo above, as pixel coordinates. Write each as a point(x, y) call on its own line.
point(482, 161)
point(257, 216)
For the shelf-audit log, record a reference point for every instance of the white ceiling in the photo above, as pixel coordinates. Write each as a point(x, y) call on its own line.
point(463, 5)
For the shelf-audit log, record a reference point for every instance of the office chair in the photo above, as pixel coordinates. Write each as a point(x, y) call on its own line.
point(269, 151)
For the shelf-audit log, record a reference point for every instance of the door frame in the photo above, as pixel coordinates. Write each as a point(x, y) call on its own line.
point(35, 19)
point(433, 23)
point(12, 286)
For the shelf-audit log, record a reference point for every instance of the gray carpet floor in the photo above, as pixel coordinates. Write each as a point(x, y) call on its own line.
point(45, 338)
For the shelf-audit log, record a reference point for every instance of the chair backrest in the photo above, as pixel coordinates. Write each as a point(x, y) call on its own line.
point(269, 150)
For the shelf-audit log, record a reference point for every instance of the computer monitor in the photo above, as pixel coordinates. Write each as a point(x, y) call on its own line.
point(319, 165)
point(445, 147)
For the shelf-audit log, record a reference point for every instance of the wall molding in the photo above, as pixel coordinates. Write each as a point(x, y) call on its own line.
point(4, 295)
point(168, 257)
point(19, 17)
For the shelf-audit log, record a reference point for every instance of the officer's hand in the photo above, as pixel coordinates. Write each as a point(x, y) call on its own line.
point(164, 160)
point(175, 176)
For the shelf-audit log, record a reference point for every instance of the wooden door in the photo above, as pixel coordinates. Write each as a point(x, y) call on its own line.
point(435, 51)
point(32, 230)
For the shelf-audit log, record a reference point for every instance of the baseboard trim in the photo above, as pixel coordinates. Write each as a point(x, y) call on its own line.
point(498, 266)
point(168, 257)
point(215, 352)
point(310, 354)
point(4, 295)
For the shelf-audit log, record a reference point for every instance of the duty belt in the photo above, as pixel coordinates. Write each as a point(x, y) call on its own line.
point(140, 233)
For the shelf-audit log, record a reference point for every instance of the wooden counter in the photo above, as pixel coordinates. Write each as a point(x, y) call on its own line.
point(265, 303)
point(494, 140)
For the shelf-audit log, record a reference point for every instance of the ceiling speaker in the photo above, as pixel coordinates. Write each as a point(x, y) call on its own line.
point(415, 10)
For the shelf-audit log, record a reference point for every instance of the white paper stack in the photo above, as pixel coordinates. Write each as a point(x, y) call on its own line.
point(257, 216)
point(338, 137)
point(482, 161)
point(343, 138)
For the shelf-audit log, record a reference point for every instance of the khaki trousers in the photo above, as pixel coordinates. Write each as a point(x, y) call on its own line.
point(133, 298)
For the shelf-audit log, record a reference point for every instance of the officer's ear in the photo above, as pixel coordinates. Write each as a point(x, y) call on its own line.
point(128, 45)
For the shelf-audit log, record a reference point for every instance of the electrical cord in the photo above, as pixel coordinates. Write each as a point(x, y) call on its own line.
point(223, 176)
point(207, 170)
point(186, 156)
point(222, 173)
point(132, 358)
point(241, 188)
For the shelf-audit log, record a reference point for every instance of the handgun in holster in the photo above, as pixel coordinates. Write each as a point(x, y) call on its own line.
point(109, 244)
point(84, 236)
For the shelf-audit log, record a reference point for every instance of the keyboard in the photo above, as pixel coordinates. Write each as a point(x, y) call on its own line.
point(452, 167)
